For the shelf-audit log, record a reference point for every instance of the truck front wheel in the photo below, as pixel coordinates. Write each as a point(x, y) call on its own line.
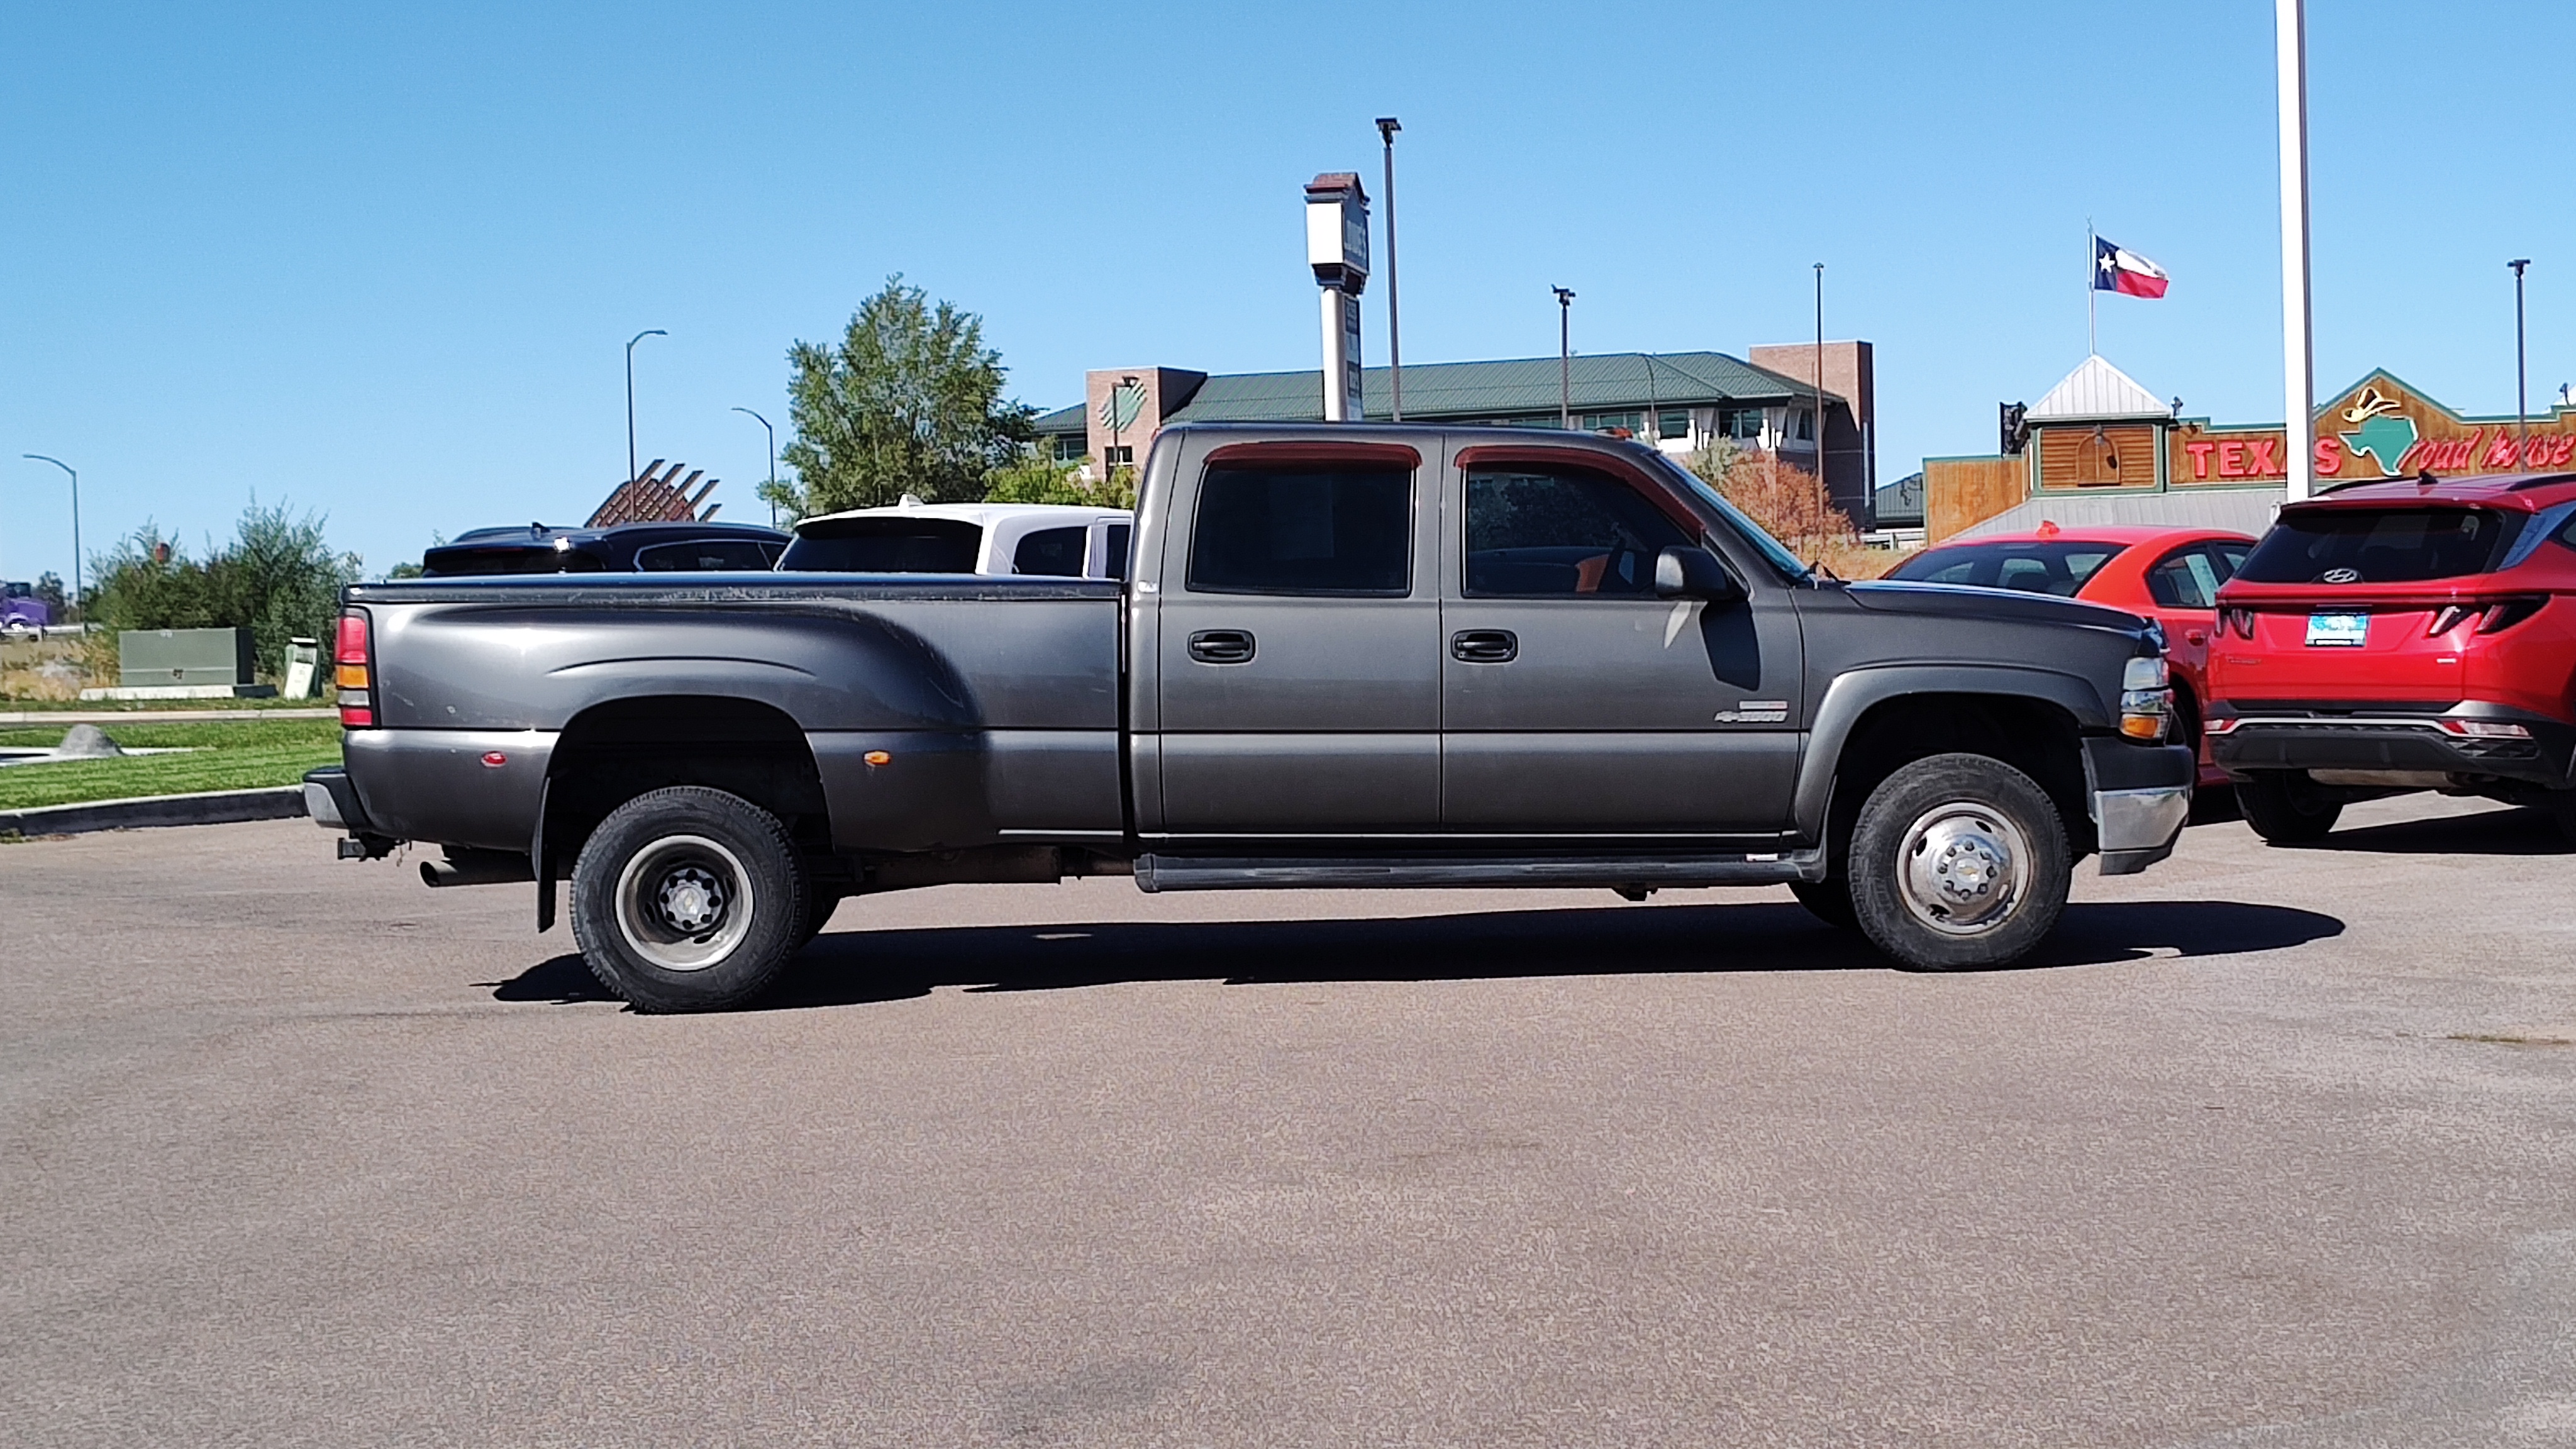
point(1958, 862)
point(688, 899)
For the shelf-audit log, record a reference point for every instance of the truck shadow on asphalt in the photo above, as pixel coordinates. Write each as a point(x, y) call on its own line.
point(845, 968)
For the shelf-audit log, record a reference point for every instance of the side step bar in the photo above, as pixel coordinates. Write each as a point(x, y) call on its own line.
point(1156, 873)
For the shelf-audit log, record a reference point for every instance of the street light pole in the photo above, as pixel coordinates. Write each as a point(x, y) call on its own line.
point(1564, 358)
point(1820, 379)
point(76, 542)
point(1386, 129)
point(773, 461)
point(2521, 399)
point(630, 395)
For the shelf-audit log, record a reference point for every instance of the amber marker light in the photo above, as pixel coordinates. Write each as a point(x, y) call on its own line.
point(877, 757)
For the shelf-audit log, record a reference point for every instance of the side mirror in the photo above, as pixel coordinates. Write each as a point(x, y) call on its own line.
point(1694, 573)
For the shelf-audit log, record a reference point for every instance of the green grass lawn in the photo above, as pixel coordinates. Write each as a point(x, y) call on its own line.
point(226, 755)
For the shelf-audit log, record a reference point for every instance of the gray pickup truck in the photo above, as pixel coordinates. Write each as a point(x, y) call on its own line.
point(1343, 656)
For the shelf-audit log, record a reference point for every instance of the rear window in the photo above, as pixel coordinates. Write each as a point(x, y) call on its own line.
point(884, 546)
point(444, 563)
point(2380, 545)
point(706, 555)
point(2058, 568)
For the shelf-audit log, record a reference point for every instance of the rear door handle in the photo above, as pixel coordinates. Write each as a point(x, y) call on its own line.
point(1484, 646)
point(2195, 636)
point(1221, 646)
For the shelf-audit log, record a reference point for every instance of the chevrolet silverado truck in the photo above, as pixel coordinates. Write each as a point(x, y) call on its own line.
point(1340, 656)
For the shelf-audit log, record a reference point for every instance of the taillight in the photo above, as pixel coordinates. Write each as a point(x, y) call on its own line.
point(2238, 620)
point(353, 670)
point(2492, 618)
point(2509, 613)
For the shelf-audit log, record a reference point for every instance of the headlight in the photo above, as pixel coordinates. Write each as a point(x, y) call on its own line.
point(2146, 672)
point(2146, 698)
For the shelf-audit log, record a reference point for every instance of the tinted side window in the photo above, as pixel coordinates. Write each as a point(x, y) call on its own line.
point(884, 546)
point(1543, 534)
point(2185, 579)
point(703, 555)
point(1117, 561)
point(1304, 529)
point(1052, 551)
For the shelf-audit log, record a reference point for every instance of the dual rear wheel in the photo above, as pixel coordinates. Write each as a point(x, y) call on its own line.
point(691, 899)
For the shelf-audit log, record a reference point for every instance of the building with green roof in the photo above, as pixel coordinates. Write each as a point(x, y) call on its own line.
point(1677, 401)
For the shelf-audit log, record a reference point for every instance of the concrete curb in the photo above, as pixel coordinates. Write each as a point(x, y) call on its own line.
point(211, 807)
point(30, 717)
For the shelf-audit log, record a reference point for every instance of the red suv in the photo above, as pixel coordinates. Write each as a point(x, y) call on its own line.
point(2402, 635)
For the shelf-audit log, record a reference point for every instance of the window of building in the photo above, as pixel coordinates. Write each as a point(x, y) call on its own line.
point(1674, 423)
point(1540, 534)
point(1121, 455)
point(1071, 447)
point(1057, 551)
point(1304, 529)
point(1630, 424)
point(1803, 424)
point(1744, 425)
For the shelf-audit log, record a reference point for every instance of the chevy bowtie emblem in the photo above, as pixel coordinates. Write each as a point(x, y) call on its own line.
point(2342, 576)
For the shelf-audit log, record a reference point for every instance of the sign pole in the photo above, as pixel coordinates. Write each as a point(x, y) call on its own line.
point(2092, 287)
point(2298, 335)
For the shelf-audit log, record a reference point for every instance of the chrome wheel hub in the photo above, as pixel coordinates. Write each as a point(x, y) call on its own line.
point(684, 903)
point(1962, 868)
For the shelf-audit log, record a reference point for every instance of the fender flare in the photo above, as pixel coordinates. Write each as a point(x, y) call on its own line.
point(1854, 693)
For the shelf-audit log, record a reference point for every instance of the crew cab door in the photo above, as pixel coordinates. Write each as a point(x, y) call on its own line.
point(1577, 702)
point(1297, 643)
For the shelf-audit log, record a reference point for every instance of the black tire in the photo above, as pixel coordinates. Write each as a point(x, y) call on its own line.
point(686, 857)
point(1828, 901)
point(1958, 862)
point(2562, 808)
point(2286, 808)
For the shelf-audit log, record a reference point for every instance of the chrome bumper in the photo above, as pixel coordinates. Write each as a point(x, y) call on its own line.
point(2138, 827)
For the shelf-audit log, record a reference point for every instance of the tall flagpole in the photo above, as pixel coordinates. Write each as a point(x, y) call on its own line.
point(2298, 335)
point(2092, 287)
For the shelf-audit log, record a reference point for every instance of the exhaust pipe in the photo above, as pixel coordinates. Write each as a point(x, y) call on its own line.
point(467, 866)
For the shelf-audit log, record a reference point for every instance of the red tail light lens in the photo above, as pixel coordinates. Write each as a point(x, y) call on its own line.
point(353, 670)
point(2239, 621)
point(2509, 613)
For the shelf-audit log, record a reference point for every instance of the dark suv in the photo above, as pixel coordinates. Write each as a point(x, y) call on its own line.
point(624, 548)
point(2405, 635)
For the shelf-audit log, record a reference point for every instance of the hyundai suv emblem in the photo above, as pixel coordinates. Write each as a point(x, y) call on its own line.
point(2343, 576)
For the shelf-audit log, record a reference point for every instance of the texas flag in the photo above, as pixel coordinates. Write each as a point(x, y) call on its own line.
point(2116, 269)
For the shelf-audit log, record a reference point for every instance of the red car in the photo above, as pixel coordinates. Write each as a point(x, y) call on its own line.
point(2416, 634)
point(2170, 575)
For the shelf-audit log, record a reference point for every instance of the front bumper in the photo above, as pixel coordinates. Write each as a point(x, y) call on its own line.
point(2139, 796)
point(2328, 739)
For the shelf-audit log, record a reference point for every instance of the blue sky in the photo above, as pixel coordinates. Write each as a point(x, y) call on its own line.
point(382, 261)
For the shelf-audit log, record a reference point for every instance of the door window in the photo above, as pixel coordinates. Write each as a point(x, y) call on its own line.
point(2187, 578)
point(1116, 559)
point(1546, 533)
point(1304, 528)
point(1052, 551)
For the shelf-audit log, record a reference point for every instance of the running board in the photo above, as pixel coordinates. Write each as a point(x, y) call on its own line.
point(1156, 873)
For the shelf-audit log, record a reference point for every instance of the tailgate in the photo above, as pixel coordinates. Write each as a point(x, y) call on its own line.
point(2337, 650)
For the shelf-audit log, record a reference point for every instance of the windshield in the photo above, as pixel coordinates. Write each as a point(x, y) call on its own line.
point(2379, 545)
point(1791, 568)
point(884, 545)
point(2059, 568)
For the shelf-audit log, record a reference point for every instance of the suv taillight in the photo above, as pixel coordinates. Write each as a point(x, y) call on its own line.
point(2492, 618)
point(2238, 620)
point(353, 670)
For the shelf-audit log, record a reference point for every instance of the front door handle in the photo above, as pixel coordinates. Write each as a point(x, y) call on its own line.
point(1484, 646)
point(1221, 646)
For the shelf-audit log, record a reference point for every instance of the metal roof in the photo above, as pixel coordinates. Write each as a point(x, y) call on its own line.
point(1062, 420)
point(2096, 391)
point(2242, 510)
point(1515, 387)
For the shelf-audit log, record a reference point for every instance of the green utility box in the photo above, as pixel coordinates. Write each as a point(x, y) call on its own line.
point(163, 657)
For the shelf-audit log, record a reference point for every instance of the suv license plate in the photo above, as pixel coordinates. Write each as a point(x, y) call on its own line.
point(2338, 631)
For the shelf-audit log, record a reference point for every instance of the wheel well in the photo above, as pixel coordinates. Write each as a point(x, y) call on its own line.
point(611, 753)
point(2033, 736)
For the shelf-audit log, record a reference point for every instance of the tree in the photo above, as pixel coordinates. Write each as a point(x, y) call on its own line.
point(278, 578)
point(909, 402)
point(1793, 506)
point(1036, 477)
point(49, 587)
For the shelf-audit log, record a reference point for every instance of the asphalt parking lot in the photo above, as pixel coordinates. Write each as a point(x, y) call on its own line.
point(2273, 1148)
